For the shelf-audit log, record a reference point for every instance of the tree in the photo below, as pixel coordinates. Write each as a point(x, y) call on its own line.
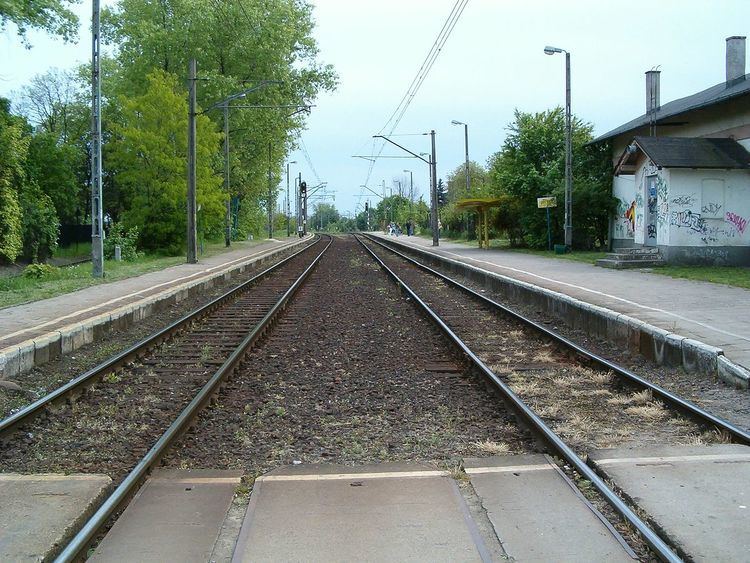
point(51, 16)
point(52, 167)
point(531, 164)
point(150, 154)
point(13, 149)
point(442, 193)
point(324, 215)
point(237, 44)
point(478, 177)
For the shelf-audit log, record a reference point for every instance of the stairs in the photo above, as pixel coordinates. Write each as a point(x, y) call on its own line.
point(636, 257)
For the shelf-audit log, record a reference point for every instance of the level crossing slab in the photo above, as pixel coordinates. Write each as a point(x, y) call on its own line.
point(40, 513)
point(386, 512)
point(698, 495)
point(539, 515)
point(676, 305)
point(176, 516)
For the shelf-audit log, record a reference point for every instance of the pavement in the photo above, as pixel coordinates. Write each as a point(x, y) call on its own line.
point(714, 314)
point(25, 322)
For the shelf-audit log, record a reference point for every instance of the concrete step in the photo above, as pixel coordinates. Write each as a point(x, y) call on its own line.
point(638, 250)
point(634, 256)
point(539, 515)
point(625, 264)
point(39, 514)
point(698, 496)
point(175, 516)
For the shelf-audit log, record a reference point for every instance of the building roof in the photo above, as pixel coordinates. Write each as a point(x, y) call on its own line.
point(714, 95)
point(686, 152)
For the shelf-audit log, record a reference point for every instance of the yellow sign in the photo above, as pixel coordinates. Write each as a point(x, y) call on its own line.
point(542, 202)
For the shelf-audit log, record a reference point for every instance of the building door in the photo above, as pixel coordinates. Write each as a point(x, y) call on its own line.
point(649, 215)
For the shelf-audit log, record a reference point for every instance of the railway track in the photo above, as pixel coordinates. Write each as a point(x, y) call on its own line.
point(484, 331)
point(362, 377)
point(186, 364)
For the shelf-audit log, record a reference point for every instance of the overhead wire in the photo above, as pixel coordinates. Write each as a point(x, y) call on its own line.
point(416, 83)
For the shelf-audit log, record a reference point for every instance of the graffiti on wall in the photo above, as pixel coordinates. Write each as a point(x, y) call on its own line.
point(739, 222)
point(683, 200)
point(711, 208)
point(688, 220)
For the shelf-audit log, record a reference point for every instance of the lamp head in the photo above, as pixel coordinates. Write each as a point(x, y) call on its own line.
point(407, 170)
point(552, 50)
point(454, 122)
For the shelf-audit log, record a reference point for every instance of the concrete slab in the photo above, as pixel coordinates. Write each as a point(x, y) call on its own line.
point(176, 516)
point(40, 513)
point(539, 515)
point(698, 496)
point(388, 512)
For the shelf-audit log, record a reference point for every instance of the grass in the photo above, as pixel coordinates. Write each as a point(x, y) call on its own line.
point(15, 290)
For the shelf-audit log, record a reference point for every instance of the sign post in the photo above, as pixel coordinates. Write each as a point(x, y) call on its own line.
point(546, 203)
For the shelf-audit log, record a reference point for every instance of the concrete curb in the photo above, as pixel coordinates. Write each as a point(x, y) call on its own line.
point(656, 344)
point(22, 357)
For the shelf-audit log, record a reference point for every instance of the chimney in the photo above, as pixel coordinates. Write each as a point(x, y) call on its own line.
point(735, 59)
point(652, 90)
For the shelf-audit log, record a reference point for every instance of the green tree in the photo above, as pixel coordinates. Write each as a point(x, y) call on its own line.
point(478, 178)
point(150, 154)
point(324, 215)
point(51, 16)
point(52, 166)
point(531, 164)
point(237, 45)
point(13, 150)
point(39, 223)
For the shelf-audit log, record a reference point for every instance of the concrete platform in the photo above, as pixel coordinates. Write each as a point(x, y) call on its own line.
point(698, 496)
point(387, 512)
point(176, 516)
point(667, 319)
point(538, 515)
point(33, 333)
point(40, 513)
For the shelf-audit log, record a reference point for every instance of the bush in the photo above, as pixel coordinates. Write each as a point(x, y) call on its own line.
point(39, 271)
point(39, 223)
point(126, 239)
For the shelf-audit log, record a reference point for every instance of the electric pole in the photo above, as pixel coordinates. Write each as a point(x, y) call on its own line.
point(270, 195)
point(434, 202)
point(97, 215)
point(228, 229)
point(192, 234)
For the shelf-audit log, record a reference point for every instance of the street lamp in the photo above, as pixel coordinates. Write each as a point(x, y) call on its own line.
point(411, 194)
point(466, 146)
point(288, 204)
point(568, 149)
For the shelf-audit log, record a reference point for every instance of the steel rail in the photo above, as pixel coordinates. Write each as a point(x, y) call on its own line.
point(683, 405)
point(10, 423)
point(659, 546)
point(128, 485)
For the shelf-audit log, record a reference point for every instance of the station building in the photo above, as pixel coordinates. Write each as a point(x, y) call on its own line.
point(682, 171)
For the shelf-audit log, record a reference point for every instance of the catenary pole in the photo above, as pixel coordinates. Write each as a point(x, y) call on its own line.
point(434, 202)
point(192, 235)
point(97, 215)
point(228, 227)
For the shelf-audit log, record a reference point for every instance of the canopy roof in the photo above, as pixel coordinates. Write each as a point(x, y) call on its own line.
point(478, 203)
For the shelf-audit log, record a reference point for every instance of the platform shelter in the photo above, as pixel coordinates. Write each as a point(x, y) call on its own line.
point(481, 207)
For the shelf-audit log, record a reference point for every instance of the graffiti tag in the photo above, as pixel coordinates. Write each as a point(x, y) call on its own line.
point(651, 231)
point(740, 223)
point(711, 208)
point(684, 200)
point(689, 220)
point(630, 215)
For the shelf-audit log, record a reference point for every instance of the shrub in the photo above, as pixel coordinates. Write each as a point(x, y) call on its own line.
point(126, 239)
point(39, 271)
point(39, 223)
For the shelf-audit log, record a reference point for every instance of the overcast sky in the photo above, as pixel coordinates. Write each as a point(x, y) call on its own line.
point(492, 63)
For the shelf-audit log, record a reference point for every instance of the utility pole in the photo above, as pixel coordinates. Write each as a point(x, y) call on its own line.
point(298, 205)
point(192, 234)
point(434, 202)
point(97, 215)
point(228, 230)
point(270, 195)
point(568, 159)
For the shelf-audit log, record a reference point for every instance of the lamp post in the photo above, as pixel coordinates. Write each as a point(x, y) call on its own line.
point(288, 204)
point(466, 146)
point(411, 194)
point(568, 149)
